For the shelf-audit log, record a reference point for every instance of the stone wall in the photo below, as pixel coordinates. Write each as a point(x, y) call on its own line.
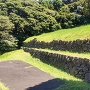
point(77, 45)
point(79, 67)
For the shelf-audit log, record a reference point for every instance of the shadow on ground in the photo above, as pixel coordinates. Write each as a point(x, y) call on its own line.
point(55, 84)
point(49, 85)
point(74, 85)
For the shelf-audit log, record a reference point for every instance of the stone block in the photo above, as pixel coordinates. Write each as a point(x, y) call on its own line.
point(87, 77)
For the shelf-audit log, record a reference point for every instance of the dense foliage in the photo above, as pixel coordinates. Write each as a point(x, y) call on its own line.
point(20, 19)
point(52, 4)
point(87, 8)
point(71, 12)
point(7, 41)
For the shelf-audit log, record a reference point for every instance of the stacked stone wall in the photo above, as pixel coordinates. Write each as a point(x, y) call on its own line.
point(79, 67)
point(77, 45)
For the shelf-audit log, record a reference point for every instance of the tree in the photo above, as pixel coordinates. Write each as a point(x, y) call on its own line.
point(7, 41)
point(51, 4)
point(57, 4)
point(5, 24)
point(86, 9)
point(69, 1)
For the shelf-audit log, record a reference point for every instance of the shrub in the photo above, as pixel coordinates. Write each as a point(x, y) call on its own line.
point(7, 42)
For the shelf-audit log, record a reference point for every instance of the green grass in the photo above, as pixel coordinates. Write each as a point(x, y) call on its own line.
point(72, 83)
point(68, 53)
point(3, 87)
point(82, 32)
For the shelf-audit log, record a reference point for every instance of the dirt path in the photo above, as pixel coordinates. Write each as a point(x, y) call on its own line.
point(18, 75)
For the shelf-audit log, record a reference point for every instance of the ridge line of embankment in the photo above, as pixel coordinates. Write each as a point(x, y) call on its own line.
point(71, 54)
point(76, 45)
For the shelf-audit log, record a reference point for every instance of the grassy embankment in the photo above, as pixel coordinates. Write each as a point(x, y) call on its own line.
point(82, 32)
point(72, 83)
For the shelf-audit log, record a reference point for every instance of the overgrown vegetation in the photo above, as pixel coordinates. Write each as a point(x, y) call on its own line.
point(71, 12)
point(20, 19)
point(23, 18)
point(7, 41)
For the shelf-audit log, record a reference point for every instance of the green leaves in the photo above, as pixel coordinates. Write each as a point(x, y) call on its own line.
point(5, 24)
point(52, 4)
point(7, 42)
point(86, 9)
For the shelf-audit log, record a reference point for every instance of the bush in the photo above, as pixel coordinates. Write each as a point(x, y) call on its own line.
point(7, 42)
point(71, 20)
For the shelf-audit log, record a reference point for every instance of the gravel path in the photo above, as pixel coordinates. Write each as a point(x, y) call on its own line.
point(18, 75)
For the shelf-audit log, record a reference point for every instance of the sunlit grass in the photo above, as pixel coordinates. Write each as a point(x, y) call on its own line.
point(72, 83)
point(82, 32)
point(68, 53)
point(3, 87)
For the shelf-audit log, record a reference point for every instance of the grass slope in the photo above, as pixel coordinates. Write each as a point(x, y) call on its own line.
point(72, 83)
point(82, 32)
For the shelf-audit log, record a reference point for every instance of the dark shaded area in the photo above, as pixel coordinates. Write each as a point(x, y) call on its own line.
point(49, 85)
